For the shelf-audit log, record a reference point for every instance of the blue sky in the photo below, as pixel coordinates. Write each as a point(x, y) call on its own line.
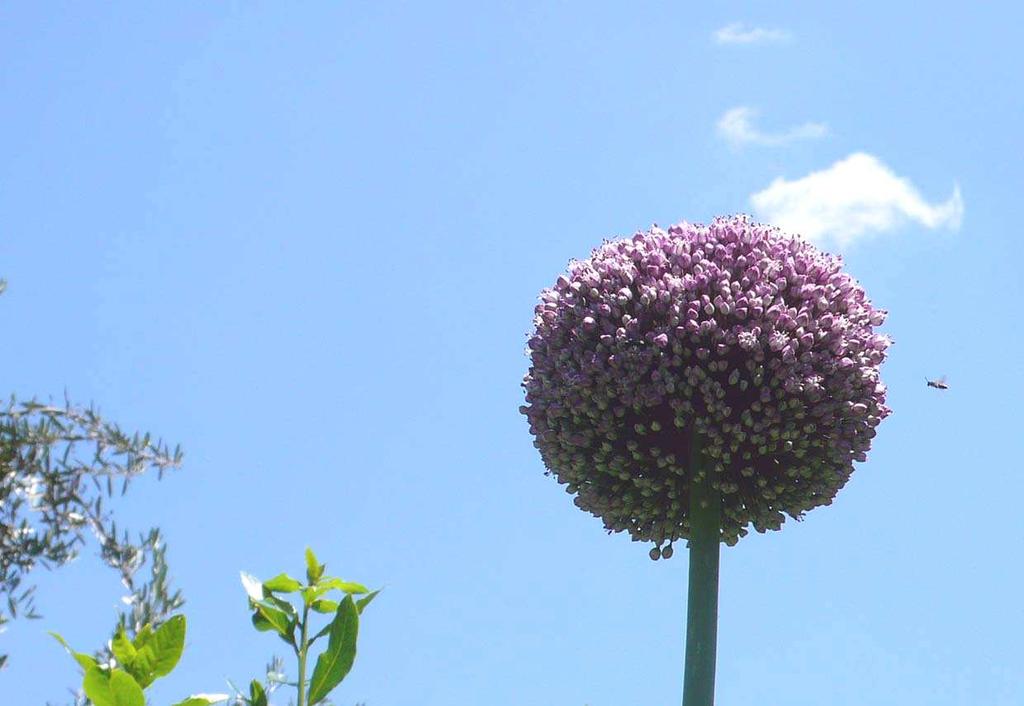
point(305, 243)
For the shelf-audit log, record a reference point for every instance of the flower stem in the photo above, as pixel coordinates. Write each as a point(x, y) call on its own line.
point(702, 601)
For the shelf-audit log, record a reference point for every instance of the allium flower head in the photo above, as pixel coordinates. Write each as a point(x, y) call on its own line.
point(748, 338)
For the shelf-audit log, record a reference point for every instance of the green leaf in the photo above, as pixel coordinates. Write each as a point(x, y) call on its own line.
point(281, 604)
point(261, 623)
point(346, 586)
point(268, 617)
point(365, 601)
point(311, 593)
point(143, 636)
point(160, 652)
point(112, 688)
point(282, 583)
point(84, 661)
point(257, 697)
point(253, 586)
point(314, 569)
point(337, 659)
point(360, 604)
point(324, 606)
point(203, 700)
point(123, 650)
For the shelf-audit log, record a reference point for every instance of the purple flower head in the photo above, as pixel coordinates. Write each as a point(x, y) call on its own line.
point(734, 331)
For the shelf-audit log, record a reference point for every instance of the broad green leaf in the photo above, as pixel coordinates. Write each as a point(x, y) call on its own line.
point(271, 618)
point(143, 636)
point(127, 691)
point(253, 586)
point(281, 604)
point(161, 651)
point(112, 688)
point(324, 606)
point(203, 700)
point(282, 583)
point(261, 623)
point(346, 586)
point(365, 601)
point(123, 650)
point(336, 660)
point(360, 604)
point(257, 696)
point(311, 593)
point(84, 661)
point(314, 569)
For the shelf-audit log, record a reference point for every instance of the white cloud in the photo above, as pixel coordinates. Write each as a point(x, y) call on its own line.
point(738, 33)
point(738, 129)
point(853, 198)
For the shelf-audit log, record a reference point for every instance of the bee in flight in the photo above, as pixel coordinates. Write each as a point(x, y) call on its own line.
point(939, 384)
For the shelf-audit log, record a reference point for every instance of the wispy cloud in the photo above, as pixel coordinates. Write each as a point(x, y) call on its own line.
point(737, 128)
point(738, 33)
point(853, 198)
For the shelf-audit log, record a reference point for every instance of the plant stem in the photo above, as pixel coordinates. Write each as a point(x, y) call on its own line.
point(303, 649)
point(702, 601)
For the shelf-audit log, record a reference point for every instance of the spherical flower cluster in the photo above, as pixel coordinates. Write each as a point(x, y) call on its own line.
point(733, 335)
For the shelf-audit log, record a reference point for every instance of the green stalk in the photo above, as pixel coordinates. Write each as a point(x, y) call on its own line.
point(303, 649)
point(702, 601)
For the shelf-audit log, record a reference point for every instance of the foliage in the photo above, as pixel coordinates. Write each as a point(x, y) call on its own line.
point(120, 675)
point(58, 466)
point(136, 664)
point(273, 613)
point(148, 603)
point(274, 679)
